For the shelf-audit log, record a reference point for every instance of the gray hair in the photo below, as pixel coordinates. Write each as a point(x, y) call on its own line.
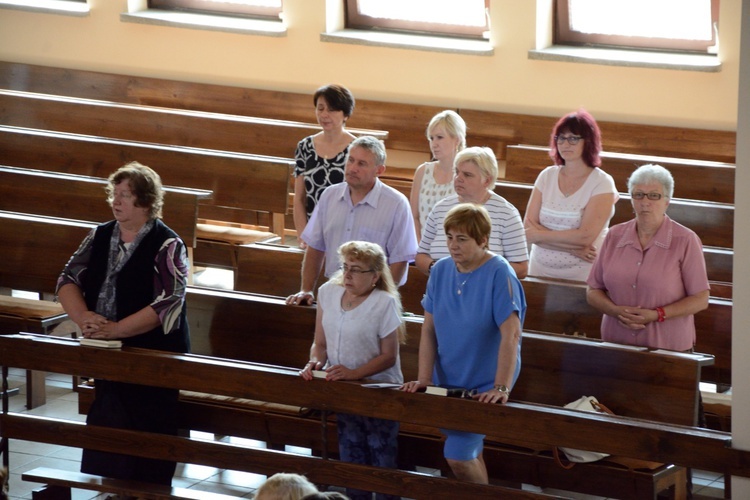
point(482, 157)
point(646, 174)
point(371, 144)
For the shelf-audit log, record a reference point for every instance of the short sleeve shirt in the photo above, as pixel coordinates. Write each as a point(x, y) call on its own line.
point(670, 268)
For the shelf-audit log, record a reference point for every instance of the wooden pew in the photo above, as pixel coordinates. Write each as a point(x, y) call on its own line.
point(712, 221)
point(485, 128)
point(221, 377)
point(560, 307)
point(273, 269)
point(555, 370)
point(498, 130)
point(525, 162)
point(82, 197)
point(242, 184)
point(590, 369)
point(405, 123)
point(136, 122)
point(34, 251)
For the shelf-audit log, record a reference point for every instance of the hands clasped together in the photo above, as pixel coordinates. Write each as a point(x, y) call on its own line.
point(635, 318)
point(96, 326)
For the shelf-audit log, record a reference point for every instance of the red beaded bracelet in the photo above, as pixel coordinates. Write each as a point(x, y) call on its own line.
point(662, 315)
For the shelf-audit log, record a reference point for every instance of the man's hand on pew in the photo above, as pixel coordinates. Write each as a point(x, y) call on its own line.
point(301, 298)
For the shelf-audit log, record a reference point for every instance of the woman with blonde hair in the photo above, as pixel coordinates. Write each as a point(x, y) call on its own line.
point(433, 180)
point(358, 329)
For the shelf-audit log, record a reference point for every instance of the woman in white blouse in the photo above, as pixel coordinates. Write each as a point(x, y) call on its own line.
point(572, 202)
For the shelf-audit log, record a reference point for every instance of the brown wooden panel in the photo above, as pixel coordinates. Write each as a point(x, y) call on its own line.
point(657, 140)
point(198, 129)
point(694, 179)
point(34, 250)
point(560, 306)
point(83, 198)
point(237, 180)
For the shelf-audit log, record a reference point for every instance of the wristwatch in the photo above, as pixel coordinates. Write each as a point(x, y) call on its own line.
point(502, 388)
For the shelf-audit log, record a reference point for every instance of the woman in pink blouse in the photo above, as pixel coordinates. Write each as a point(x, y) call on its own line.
point(650, 276)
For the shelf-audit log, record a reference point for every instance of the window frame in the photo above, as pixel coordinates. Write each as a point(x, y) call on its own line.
point(356, 21)
point(563, 35)
point(207, 7)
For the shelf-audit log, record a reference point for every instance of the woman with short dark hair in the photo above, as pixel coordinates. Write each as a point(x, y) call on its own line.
point(320, 159)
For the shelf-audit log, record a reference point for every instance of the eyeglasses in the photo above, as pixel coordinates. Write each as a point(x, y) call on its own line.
point(572, 139)
point(354, 270)
point(639, 195)
point(123, 195)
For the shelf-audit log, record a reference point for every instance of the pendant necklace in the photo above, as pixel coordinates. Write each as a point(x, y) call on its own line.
point(460, 288)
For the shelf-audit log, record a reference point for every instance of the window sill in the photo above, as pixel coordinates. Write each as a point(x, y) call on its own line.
point(406, 41)
point(206, 22)
point(629, 58)
point(61, 7)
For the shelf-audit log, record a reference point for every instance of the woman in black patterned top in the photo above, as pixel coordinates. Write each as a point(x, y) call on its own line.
point(321, 158)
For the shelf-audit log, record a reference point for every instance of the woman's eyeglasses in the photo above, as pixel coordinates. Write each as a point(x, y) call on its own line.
point(572, 139)
point(639, 195)
point(354, 270)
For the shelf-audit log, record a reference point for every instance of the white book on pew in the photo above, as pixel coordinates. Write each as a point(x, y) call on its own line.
point(452, 392)
point(106, 344)
point(319, 374)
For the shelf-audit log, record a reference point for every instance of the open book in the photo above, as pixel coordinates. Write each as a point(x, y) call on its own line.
point(452, 392)
point(107, 344)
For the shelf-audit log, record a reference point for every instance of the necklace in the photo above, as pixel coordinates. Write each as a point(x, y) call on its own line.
point(460, 288)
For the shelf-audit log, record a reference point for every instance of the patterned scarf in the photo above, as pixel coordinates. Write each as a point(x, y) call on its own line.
point(119, 254)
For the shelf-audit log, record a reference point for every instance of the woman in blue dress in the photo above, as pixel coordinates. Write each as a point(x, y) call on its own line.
point(471, 336)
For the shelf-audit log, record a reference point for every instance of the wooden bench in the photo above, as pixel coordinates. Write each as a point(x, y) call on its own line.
point(555, 370)
point(82, 197)
point(499, 130)
point(524, 164)
point(58, 484)
point(238, 379)
point(34, 251)
point(560, 306)
point(405, 122)
point(242, 184)
point(273, 269)
point(179, 127)
point(537, 425)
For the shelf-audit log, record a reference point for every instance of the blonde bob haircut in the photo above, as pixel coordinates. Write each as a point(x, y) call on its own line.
point(372, 256)
point(472, 219)
point(454, 125)
point(482, 157)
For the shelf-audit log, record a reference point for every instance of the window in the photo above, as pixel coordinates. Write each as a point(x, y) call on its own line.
point(681, 25)
point(461, 18)
point(266, 9)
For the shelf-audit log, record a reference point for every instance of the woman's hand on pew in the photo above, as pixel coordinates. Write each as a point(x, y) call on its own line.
point(307, 371)
point(301, 298)
point(415, 386)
